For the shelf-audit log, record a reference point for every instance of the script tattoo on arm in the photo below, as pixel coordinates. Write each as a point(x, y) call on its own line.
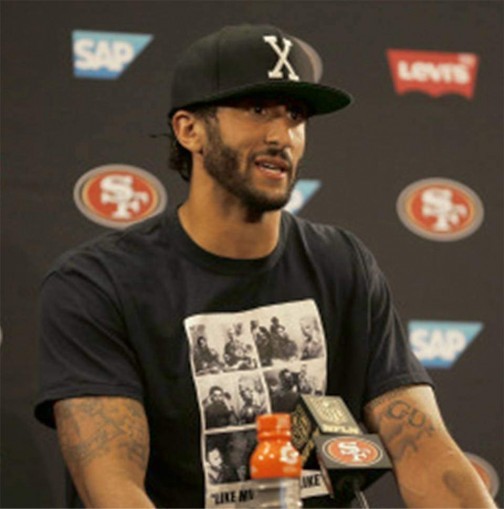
point(96, 427)
point(400, 423)
point(430, 468)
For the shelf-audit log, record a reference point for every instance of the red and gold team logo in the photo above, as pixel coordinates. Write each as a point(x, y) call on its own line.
point(118, 195)
point(353, 451)
point(486, 471)
point(440, 209)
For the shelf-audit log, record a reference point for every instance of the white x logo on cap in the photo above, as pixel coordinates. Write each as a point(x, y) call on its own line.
point(277, 71)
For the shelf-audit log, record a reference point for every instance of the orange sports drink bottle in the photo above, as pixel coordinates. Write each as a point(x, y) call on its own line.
point(275, 464)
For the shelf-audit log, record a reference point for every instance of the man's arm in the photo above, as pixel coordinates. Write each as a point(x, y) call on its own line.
point(430, 468)
point(105, 444)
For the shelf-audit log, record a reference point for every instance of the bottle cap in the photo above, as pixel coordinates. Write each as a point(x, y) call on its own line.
point(273, 422)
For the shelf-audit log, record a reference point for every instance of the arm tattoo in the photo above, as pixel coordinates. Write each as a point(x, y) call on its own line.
point(402, 426)
point(93, 427)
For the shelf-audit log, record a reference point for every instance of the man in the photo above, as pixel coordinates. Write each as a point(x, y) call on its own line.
point(252, 400)
point(206, 360)
point(311, 347)
point(283, 347)
point(219, 412)
point(117, 380)
point(218, 471)
point(236, 352)
point(283, 390)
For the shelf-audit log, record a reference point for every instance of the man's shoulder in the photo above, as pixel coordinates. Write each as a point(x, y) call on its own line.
point(325, 235)
point(115, 247)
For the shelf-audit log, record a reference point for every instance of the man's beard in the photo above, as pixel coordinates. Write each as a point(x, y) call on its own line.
point(222, 163)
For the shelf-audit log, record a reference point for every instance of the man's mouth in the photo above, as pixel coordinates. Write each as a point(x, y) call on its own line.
point(274, 166)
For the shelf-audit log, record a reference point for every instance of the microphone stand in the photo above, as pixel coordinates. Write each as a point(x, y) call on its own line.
point(359, 495)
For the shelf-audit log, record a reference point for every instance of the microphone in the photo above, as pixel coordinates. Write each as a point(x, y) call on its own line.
point(319, 416)
point(328, 437)
point(350, 463)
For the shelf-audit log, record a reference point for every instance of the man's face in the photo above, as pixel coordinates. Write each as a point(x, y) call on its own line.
point(215, 458)
point(253, 150)
point(217, 396)
point(246, 393)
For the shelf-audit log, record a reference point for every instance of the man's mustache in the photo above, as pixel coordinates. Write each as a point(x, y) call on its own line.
point(274, 152)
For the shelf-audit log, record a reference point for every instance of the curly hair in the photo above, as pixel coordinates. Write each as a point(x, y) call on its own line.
point(180, 159)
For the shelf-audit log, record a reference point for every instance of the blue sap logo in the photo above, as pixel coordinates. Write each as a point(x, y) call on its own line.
point(302, 192)
point(105, 55)
point(440, 344)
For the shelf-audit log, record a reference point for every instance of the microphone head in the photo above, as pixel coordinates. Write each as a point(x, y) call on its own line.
point(351, 461)
point(317, 416)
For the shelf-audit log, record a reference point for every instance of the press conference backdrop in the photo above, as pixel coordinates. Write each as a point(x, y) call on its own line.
point(414, 168)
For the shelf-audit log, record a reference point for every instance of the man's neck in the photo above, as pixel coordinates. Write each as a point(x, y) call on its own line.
point(227, 230)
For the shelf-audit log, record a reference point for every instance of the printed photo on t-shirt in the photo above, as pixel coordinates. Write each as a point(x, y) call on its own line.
point(246, 364)
point(286, 384)
point(227, 456)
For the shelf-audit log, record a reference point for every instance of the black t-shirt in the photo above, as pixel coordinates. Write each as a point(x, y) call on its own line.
point(146, 313)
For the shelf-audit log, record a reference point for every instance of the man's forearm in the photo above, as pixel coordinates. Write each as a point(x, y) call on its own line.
point(430, 468)
point(115, 492)
point(449, 481)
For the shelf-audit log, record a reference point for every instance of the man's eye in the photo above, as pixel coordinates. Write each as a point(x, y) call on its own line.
point(258, 109)
point(297, 114)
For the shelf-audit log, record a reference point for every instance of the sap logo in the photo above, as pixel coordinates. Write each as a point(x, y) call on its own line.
point(301, 194)
point(440, 344)
point(105, 55)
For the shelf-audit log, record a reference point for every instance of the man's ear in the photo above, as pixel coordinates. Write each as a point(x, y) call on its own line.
point(188, 130)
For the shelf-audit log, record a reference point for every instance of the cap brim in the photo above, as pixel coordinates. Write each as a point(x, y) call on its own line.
point(319, 99)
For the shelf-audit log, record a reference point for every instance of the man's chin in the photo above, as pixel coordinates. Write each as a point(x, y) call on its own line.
point(256, 211)
point(264, 201)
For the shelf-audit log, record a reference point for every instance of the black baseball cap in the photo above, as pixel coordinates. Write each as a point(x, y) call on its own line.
point(258, 60)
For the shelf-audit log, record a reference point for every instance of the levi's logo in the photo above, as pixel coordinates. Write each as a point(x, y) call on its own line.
point(433, 73)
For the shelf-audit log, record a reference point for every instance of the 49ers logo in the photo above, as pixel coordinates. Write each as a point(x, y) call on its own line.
point(433, 73)
point(440, 209)
point(117, 195)
point(352, 451)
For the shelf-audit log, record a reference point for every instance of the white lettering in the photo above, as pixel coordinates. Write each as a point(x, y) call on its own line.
point(420, 343)
point(104, 57)
point(83, 49)
point(438, 203)
point(445, 345)
point(123, 53)
point(352, 449)
point(94, 55)
point(455, 342)
point(118, 189)
point(429, 71)
point(277, 72)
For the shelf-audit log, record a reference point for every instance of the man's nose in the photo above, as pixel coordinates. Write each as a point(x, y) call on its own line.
point(280, 132)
